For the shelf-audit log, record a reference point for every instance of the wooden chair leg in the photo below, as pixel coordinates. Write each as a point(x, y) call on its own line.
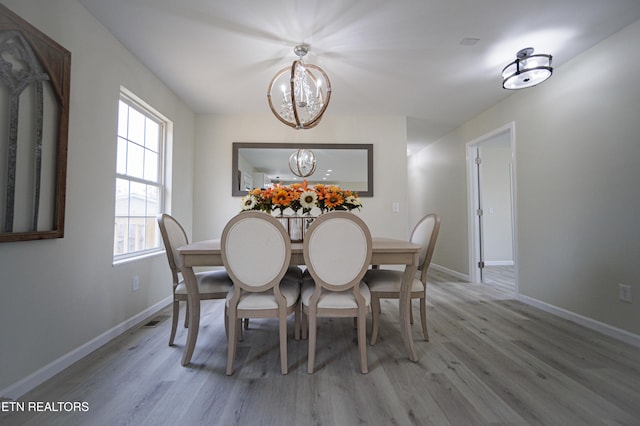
point(411, 312)
point(312, 342)
point(194, 327)
point(304, 326)
point(375, 319)
point(231, 343)
point(174, 321)
point(282, 319)
point(362, 339)
point(186, 316)
point(296, 323)
point(226, 322)
point(226, 326)
point(246, 323)
point(423, 318)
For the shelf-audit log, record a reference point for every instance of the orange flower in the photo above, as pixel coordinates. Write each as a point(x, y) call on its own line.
point(267, 194)
point(333, 199)
point(321, 190)
point(281, 197)
point(295, 195)
point(298, 196)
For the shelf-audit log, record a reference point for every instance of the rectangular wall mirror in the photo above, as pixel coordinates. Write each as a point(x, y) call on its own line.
point(258, 165)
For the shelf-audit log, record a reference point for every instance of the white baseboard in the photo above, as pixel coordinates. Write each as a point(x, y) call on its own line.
point(23, 386)
point(448, 271)
point(606, 329)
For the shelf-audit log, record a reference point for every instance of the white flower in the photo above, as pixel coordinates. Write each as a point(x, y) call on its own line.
point(308, 199)
point(248, 202)
point(353, 201)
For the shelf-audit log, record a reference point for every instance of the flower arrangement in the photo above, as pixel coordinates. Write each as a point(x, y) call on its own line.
point(301, 196)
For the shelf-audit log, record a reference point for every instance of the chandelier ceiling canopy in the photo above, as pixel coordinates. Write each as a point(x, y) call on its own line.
point(527, 70)
point(298, 95)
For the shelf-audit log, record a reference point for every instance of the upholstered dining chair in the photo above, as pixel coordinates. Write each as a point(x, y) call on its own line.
point(385, 284)
point(211, 284)
point(256, 251)
point(337, 253)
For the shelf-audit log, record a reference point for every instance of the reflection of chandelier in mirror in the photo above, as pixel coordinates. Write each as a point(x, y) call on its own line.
point(527, 70)
point(298, 95)
point(302, 163)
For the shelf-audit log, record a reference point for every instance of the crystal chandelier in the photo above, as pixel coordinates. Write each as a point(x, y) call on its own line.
point(527, 70)
point(302, 162)
point(298, 95)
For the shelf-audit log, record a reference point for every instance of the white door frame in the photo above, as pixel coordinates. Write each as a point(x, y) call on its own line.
point(472, 201)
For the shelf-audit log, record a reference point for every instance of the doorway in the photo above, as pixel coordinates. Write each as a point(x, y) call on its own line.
point(491, 193)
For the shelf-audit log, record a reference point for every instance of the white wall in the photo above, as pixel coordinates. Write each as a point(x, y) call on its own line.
point(214, 205)
point(437, 176)
point(57, 295)
point(578, 192)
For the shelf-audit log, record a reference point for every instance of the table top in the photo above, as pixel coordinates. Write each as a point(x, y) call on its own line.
point(379, 244)
point(385, 251)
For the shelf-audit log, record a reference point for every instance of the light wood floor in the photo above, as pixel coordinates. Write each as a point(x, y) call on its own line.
point(503, 276)
point(491, 361)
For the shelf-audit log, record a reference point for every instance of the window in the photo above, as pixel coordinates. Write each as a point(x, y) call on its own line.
point(139, 178)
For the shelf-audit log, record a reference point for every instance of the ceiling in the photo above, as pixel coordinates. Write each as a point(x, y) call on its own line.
point(413, 58)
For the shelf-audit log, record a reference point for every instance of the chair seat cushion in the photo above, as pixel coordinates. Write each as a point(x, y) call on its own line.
point(333, 299)
point(290, 289)
point(387, 280)
point(209, 282)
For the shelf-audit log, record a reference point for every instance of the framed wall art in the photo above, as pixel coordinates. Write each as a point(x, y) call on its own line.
point(34, 118)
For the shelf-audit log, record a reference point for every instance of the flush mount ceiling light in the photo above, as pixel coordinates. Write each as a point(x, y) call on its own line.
point(302, 162)
point(298, 95)
point(527, 70)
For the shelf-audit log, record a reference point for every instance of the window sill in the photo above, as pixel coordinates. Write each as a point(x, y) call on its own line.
point(136, 257)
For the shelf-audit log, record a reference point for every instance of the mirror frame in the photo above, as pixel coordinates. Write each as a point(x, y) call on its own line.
point(56, 61)
point(235, 183)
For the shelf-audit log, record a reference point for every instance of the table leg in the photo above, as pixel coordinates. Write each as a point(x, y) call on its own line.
point(405, 308)
point(193, 299)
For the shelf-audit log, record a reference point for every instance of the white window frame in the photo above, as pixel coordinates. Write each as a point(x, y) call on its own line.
point(150, 227)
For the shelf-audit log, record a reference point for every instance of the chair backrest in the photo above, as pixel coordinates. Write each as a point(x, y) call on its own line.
point(256, 250)
point(425, 234)
point(173, 236)
point(337, 250)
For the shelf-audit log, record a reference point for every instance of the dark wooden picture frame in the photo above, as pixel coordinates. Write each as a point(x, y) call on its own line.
point(33, 168)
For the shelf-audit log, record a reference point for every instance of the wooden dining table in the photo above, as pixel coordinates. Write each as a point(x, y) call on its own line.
point(385, 251)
